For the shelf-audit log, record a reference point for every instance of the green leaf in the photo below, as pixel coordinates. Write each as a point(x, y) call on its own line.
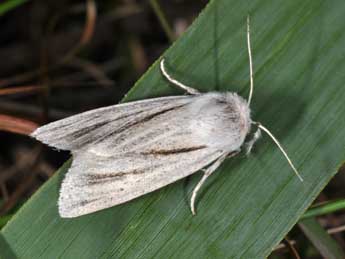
point(323, 209)
point(249, 204)
point(9, 5)
point(4, 220)
point(322, 241)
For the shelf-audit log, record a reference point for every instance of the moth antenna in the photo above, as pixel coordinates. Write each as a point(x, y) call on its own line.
point(250, 62)
point(281, 149)
point(184, 87)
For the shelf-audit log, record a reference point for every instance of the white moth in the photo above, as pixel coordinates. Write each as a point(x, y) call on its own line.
point(124, 151)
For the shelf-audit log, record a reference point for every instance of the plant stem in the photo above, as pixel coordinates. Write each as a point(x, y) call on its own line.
point(325, 209)
point(162, 19)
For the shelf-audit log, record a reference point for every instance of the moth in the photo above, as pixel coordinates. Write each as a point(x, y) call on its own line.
point(124, 151)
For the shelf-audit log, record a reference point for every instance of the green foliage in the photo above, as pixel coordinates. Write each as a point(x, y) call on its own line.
point(325, 209)
point(9, 5)
point(249, 204)
point(326, 245)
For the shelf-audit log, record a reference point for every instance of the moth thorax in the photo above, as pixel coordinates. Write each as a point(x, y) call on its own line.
point(237, 120)
point(223, 120)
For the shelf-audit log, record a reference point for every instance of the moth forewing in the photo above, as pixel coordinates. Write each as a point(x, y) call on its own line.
point(92, 127)
point(94, 183)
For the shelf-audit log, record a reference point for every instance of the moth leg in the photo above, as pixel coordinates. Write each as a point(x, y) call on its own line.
point(234, 153)
point(207, 173)
point(186, 88)
point(249, 145)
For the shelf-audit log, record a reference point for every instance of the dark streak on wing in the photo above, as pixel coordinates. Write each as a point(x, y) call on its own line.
point(97, 178)
point(166, 152)
point(128, 125)
point(85, 202)
point(69, 124)
point(83, 131)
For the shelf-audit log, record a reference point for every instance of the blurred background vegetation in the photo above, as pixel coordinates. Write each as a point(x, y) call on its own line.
point(58, 58)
